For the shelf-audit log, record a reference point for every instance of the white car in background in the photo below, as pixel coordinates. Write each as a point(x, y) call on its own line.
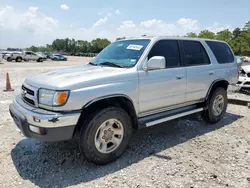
point(244, 75)
point(1, 57)
point(26, 56)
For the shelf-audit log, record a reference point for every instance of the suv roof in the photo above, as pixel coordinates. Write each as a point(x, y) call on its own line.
point(171, 37)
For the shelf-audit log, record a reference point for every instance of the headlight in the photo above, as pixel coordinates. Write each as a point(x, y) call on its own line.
point(53, 98)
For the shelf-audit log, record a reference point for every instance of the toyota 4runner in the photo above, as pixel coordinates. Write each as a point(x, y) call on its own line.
point(131, 84)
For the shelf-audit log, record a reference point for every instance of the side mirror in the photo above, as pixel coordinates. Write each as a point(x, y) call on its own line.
point(156, 62)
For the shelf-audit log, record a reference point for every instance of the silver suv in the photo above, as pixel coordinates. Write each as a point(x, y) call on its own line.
point(131, 84)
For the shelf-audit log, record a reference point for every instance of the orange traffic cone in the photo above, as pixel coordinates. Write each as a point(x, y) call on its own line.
point(8, 85)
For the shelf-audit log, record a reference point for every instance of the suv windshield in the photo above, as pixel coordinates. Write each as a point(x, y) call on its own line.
point(124, 53)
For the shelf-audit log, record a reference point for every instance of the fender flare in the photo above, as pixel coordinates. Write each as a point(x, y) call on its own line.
point(108, 97)
point(211, 86)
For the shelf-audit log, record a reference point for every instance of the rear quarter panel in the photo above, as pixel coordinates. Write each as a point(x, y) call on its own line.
point(225, 71)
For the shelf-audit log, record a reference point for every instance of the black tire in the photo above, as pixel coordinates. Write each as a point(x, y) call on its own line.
point(40, 60)
point(209, 114)
point(19, 59)
point(86, 139)
point(9, 59)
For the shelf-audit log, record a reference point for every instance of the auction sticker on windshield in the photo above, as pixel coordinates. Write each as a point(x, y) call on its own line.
point(134, 47)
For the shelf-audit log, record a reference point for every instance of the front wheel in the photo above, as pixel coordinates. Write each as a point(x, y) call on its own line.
point(105, 136)
point(217, 106)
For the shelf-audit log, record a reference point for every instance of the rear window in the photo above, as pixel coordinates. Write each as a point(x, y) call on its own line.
point(221, 51)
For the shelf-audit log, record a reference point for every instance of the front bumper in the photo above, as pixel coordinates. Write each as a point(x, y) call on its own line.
point(243, 82)
point(52, 126)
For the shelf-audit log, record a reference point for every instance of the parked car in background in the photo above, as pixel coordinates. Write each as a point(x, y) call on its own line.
point(239, 60)
point(23, 56)
point(244, 76)
point(48, 55)
point(59, 57)
point(10, 56)
point(32, 56)
point(4, 53)
point(42, 55)
point(131, 84)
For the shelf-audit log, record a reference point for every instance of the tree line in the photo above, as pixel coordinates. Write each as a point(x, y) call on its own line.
point(238, 39)
point(72, 46)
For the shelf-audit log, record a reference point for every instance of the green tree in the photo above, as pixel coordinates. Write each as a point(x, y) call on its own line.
point(98, 45)
point(191, 34)
point(224, 35)
point(247, 26)
point(236, 32)
point(82, 46)
point(206, 34)
point(32, 48)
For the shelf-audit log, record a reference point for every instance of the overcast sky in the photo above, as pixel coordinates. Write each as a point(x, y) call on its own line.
point(37, 22)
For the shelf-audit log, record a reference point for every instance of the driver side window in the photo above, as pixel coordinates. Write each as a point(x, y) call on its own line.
point(168, 49)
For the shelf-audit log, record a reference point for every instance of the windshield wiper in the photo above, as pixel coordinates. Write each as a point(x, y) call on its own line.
point(111, 64)
point(90, 63)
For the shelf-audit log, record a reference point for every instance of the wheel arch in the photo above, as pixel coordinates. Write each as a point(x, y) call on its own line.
point(118, 100)
point(217, 83)
point(19, 57)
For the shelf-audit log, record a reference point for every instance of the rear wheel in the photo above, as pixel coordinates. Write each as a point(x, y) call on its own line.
point(217, 106)
point(9, 59)
point(40, 60)
point(104, 137)
point(19, 59)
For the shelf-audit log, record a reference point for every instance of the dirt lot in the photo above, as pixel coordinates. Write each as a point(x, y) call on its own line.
point(181, 153)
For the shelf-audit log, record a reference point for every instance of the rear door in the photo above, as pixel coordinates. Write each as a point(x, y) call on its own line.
point(164, 87)
point(200, 71)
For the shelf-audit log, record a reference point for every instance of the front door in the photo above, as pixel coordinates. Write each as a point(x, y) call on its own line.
point(28, 55)
point(164, 87)
point(34, 56)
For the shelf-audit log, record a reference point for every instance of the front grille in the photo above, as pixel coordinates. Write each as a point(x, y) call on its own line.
point(30, 101)
point(29, 91)
point(28, 95)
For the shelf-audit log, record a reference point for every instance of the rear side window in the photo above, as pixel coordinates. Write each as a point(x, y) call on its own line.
point(221, 51)
point(194, 53)
point(168, 49)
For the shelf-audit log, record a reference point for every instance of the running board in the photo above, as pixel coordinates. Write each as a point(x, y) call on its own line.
point(167, 116)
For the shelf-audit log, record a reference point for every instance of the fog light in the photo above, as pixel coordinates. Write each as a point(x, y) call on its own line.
point(34, 129)
point(36, 119)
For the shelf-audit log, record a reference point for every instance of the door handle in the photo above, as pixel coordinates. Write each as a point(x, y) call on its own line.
point(211, 73)
point(179, 77)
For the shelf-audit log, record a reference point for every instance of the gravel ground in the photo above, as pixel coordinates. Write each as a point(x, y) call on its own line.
point(181, 153)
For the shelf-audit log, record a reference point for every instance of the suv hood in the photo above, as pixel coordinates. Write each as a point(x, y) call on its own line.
point(77, 77)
